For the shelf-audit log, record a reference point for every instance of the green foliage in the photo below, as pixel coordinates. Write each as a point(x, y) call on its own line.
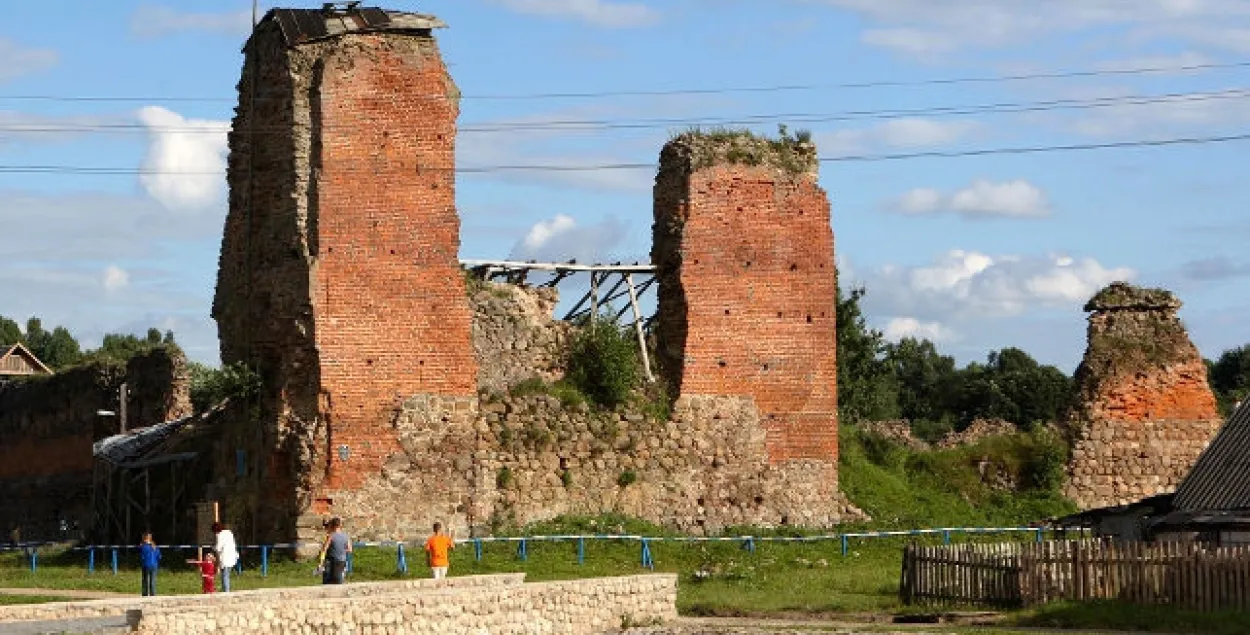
point(901, 488)
point(503, 478)
point(603, 362)
point(211, 386)
point(866, 389)
point(1229, 377)
point(1011, 386)
point(627, 478)
point(792, 153)
point(924, 379)
point(566, 477)
point(569, 395)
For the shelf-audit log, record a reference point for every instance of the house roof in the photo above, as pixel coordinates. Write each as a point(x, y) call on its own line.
point(300, 26)
point(1220, 479)
point(20, 350)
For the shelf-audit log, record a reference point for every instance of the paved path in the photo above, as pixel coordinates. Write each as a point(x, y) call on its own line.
point(96, 626)
point(73, 594)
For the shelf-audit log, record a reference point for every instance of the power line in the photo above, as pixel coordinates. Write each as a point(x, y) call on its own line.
point(616, 124)
point(111, 171)
point(985, 79)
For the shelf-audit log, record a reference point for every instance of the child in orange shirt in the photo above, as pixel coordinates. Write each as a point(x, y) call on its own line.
point(208, 571)
point(437, 548)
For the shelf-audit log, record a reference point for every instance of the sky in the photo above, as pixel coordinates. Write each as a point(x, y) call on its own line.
point(976, 251)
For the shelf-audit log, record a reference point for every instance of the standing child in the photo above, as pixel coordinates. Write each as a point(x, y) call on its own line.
point(149, 560)
point(438, 549)
point(208, 572)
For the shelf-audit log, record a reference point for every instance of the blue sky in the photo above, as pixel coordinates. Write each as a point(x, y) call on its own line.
point(977, 252)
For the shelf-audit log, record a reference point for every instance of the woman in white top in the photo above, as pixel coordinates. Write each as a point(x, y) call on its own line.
point(227, 554)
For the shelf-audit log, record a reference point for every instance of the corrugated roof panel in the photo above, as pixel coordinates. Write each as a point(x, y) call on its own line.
point(1220, 479)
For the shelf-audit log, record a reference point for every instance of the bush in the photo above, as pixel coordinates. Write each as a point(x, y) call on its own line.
point(627, 478)
point(504, 478)
point(211, 386)
point(603, 362)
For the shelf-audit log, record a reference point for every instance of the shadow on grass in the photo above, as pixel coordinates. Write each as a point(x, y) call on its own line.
point(1131, 617)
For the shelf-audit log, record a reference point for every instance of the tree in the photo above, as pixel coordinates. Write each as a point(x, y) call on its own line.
point(924, 377)
point(866, 388)
point(10, 332)
point(59, 349)
point(1229, 377)
point(1014, 387)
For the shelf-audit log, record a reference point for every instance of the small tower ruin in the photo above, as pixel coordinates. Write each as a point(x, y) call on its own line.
point(1144, 410)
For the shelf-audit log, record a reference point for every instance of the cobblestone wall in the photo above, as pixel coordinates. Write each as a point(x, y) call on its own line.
point(514, 335)
point(578, 607)
point(1145, 411)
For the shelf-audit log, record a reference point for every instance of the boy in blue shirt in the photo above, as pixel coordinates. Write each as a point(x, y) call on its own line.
point(149, 559)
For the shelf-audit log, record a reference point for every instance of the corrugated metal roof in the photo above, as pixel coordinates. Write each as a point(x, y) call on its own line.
point(300, 26)
point(1220, 479)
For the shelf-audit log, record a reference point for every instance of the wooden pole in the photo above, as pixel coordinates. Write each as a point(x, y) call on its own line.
point(594, 296)
point(642, 339)
point(121, 411)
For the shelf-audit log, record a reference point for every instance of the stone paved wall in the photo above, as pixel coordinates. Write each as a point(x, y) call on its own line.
point(1145, 410)
point(515, 336)
point(577, 607)
point(48, 426)
point(231, 601)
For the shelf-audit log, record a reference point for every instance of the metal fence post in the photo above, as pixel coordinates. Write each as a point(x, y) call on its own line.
point(581, 550)
point(1041, 534)
point(350, 560)
point(521, 551)
point(946, 536)
point(402, 560)
point(647, 561)
point(264, 561)
point(34, 559)
point(845, 546)
point(90, 560)
point(477, 549)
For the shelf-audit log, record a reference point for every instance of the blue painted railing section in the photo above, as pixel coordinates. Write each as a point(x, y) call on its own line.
point(646, 559)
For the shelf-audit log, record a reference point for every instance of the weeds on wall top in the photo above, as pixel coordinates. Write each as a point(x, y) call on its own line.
point(792, 153)
point(603, 362)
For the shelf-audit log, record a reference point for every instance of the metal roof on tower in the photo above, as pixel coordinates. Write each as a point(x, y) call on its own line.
point(301, 26)
point(1220, 480)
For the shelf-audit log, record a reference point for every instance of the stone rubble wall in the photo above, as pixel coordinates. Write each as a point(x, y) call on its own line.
point(1145, 411)
point(977, 431)
point(53, 611)
point(578, 607)
point(515, 335)
point(48, 425)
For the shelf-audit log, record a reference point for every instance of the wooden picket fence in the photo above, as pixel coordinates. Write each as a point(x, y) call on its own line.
point(1186, 575)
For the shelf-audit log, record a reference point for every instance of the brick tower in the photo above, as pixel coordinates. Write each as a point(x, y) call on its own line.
point(339, 279)
point(747, 296)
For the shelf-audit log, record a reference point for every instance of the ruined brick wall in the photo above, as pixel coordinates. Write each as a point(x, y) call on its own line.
point(339, 277)
point(1144, 410)
point(48, 425)
point(747, 295)
point(514, 336)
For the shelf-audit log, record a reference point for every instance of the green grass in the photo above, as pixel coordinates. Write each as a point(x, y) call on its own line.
point(1127, 617)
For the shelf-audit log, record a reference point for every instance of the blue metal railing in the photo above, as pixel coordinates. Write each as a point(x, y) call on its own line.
point(646, 558)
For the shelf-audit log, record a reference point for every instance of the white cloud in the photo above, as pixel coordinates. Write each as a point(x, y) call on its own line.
point(983, 198)
point(115, 278)
point(911, 132)
point(561, 238)
point(20, 61)
point(924, 29)
point(968, 284)
point(150, 21)
point(903, 327)
point(186, 161)
point(598, 12)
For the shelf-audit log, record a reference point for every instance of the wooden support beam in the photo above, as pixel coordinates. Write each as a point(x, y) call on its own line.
point(642, 340)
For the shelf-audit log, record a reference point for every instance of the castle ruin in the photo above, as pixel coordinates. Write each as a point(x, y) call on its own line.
point(384, 394)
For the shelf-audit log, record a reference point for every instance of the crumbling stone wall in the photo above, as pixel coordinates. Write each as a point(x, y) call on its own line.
point(339, 276)
point(1144, 410)
point(744, 248)
point(514, 335)
point(48, 425)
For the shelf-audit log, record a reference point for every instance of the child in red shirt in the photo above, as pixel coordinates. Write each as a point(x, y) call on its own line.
point(208, 572)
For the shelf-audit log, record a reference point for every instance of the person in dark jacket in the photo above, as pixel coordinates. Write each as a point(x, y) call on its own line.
point(149, 560)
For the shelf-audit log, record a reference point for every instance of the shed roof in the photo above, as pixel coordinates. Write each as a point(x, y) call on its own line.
point(20, 350)
point(1220, 479)
point(300, 26)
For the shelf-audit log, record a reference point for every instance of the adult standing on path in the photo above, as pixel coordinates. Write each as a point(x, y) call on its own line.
point(227, 553)
point(438, 549)
point(149, 560)
point(335, 549)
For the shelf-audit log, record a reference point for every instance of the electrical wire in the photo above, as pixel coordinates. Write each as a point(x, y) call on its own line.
point(90, 170)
